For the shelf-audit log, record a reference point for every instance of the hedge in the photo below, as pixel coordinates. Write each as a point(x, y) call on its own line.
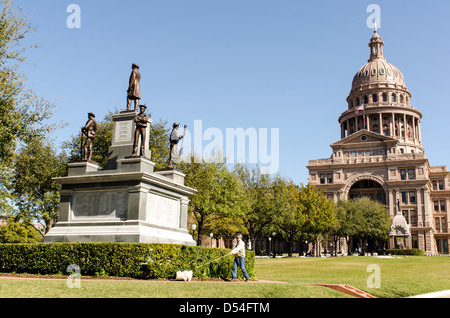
point(135, 260)
point(415, 252)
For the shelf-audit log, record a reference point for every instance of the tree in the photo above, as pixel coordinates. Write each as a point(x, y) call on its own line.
point(319, 213)
point(19, 232)
point(257, 204)
point(36, 194)
point(363, 220)
point(159, 144)
point(219, 194)
point(288, 217)
point(23, 115)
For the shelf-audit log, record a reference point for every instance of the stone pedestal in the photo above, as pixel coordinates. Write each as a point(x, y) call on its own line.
point(126, 202)
point(123, 139)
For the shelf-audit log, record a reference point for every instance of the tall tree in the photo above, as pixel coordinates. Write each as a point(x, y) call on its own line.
point(23, 115)
point(37, 195)
point(219, 195)
point(319, 212)
point(258, 212)
point(288, 218)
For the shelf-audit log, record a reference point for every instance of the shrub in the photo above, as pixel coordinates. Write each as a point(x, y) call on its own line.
point(136, 260)
point(415, 252)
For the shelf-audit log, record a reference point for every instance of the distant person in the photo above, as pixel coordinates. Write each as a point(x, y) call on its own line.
point(239, 258)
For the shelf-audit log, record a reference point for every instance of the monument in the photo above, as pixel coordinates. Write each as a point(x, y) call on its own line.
point(127, 201)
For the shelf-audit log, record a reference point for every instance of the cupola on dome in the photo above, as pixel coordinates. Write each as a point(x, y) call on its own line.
point(377, 72)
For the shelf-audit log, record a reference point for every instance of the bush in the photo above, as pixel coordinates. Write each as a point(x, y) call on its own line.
point(414, 252)
point(135, 260)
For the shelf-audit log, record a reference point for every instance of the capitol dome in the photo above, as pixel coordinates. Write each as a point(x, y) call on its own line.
point(380, 102)
point(377, 72)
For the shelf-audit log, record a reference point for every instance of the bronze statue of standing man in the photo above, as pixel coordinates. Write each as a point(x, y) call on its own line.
point(89, 131)
point(134, 88)
point(141, 120)
point(174, 139)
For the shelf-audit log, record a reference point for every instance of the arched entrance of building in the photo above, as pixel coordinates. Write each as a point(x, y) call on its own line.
point(366, 185)
point(369, 189)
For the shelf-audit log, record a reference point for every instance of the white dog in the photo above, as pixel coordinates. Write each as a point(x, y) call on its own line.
point(186, 276)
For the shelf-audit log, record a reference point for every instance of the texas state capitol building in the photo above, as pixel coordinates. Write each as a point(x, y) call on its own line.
point(381, 156)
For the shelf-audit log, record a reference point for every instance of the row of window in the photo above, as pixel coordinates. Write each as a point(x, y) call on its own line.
point(440, 206)
point(438, 184)
point(376, 98)
point(408, 174)
point(405, 174)
point(408, 197)
point(442, 245)
point(363, 153)
point(440, 224)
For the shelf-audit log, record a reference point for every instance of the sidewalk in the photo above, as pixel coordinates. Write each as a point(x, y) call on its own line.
point(440, 294)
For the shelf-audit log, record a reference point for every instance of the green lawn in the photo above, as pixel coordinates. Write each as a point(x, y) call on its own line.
point(399, 277)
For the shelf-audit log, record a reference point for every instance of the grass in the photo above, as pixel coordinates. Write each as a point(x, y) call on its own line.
point(399, 277)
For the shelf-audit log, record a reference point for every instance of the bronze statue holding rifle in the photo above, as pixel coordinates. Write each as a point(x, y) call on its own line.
point(174, 139)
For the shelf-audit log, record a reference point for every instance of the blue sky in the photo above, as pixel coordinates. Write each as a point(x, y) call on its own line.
point(283, 64)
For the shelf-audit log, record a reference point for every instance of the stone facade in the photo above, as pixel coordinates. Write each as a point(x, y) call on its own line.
point(380, 155)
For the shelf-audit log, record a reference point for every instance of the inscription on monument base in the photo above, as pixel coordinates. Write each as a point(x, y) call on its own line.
point(124, 131)
point(101, 204)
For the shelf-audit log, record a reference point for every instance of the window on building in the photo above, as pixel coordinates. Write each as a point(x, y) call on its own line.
point(403, 174)
point(442, 205)
point(385, 97)
point(412, 197)
point(440, 185)
point(366, 99)
point(411, 174)
point(445, 246)
point(437, 224)
point(415, 241)
point(438, 245)
point(436, 206)
point(375, 98)
point(444, 224)
point(329, 177)
point(404, 197)
point(413, 214)
point(322, 179)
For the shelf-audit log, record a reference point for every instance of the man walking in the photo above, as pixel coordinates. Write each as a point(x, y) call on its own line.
point(239, 258)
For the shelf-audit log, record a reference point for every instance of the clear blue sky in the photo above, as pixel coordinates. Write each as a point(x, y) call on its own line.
point(284, 64)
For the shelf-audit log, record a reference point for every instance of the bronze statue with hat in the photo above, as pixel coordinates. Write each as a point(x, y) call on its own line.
point(174, 139)
point(141, 120)
point(134, 88)
point(89, 131)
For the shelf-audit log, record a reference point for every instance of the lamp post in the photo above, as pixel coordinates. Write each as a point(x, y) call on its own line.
point(274, 252)
point(194, 227)
point(306, 248)
point(270, 242)
point(211, 236)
